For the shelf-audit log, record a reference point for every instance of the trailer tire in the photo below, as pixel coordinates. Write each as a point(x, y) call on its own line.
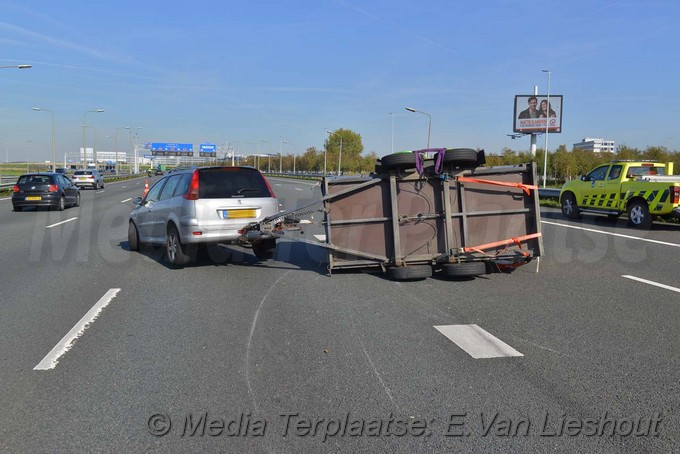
point(409, 273)
point(398, 161)
point(464, 269)
point(460, 156)
point(265, 249)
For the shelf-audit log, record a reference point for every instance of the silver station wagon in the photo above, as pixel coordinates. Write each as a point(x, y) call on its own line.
point(203, 206)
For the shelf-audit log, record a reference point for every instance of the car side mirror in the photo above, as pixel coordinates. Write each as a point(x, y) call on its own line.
point(137, 201)
point(585, 178)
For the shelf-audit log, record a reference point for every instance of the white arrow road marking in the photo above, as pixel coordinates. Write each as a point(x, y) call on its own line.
point(477, 342)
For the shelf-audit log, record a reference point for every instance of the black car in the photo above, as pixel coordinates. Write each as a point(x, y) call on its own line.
point(49, 189)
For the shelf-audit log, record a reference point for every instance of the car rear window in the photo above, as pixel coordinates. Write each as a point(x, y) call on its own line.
point(35, 179)
point(220, 183)
point(83, 172)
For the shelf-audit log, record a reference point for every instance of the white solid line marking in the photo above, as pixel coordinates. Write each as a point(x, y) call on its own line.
point(477, 342)
point(630, 237)
point(656, 284)
point(126, 200)
point(320, 237)
point(52, 358)
point(62, 222)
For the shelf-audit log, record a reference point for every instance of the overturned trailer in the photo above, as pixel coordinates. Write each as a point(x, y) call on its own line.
point(433, 210)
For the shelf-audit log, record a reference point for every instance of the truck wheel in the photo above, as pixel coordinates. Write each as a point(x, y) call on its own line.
point(265, 249)
point(409, 273)
point(398, 161)
point(638, 215)
point(465, 269)
point(569, 208)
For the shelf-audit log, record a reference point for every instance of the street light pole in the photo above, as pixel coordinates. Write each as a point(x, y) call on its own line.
point(54, 148)
point(84, 158)
point(429, 127)
point(391, 114)
point(547, 121)
point(340, 153)
point(115, 146)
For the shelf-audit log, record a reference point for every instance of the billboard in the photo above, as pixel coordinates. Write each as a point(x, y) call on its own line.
point(172, 149)
point(532, 112)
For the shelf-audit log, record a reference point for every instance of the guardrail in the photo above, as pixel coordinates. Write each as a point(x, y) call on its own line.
point(543, 193)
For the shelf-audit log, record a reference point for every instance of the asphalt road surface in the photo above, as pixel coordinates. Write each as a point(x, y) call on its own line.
point(107, 350)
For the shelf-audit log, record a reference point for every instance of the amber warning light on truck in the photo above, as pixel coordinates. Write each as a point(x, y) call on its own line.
point(532, 111)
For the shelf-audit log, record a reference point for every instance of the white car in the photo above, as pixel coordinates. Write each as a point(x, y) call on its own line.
point(91, 178)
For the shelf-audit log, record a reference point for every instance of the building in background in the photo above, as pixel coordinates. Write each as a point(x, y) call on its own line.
point(595, 145)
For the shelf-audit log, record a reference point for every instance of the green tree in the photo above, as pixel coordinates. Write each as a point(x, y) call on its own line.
point(656, 154)
point(352, 147)
point(627, 153)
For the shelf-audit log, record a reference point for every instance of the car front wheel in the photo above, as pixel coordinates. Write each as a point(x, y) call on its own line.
point(133, 237)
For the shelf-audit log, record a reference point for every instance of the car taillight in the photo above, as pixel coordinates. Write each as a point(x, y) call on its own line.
point(675, 191)
point(271, 191)
point(192, 193)
point(53, 188)
point(15, 188)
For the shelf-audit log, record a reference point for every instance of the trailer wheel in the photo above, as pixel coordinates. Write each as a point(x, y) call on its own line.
point(409, 273)
point(265, 249)
point(398, 161)
point(464, 269)
point(460, 156)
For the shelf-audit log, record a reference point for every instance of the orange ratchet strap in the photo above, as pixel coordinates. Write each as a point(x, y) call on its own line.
point(506, 243)
point(525, 187)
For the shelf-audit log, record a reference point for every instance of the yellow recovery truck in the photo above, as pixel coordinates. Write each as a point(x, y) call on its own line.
point(641, 189)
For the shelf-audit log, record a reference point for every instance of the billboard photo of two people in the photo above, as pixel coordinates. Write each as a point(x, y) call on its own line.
point(533, 111)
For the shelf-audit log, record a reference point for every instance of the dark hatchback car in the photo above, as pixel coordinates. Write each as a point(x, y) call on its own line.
point(52, 190)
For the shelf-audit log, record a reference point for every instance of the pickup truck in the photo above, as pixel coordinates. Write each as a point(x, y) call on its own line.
point(643, 190)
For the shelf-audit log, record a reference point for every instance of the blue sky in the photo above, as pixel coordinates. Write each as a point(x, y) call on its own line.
point(247, 72)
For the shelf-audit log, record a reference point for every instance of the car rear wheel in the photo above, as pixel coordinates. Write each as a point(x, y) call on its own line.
point(18, 208)
point(638, 215)
point(77, 202)
point(62, 203)
point(133, 237)
point(174, 249)
point(409, 273)
point(265, 249)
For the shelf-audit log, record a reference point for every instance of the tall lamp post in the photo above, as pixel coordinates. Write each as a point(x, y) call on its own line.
point(429, 127)
point(288, 143)
point(17, 67)
point(391, 114)
point(340, 153)
point(547, 121)
point(84, 159)
point(115, 146)
point(136, 167)
point(54, 147)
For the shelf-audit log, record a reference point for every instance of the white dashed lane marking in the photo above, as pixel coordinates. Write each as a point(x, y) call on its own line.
point(655, 284)
point(52, 358)
point(476, 342)
point(60, 223)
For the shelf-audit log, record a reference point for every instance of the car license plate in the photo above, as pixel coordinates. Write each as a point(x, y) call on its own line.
point(238, 214)
point(34, 197)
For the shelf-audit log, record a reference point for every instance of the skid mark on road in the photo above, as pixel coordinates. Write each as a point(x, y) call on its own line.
point(252, 331)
